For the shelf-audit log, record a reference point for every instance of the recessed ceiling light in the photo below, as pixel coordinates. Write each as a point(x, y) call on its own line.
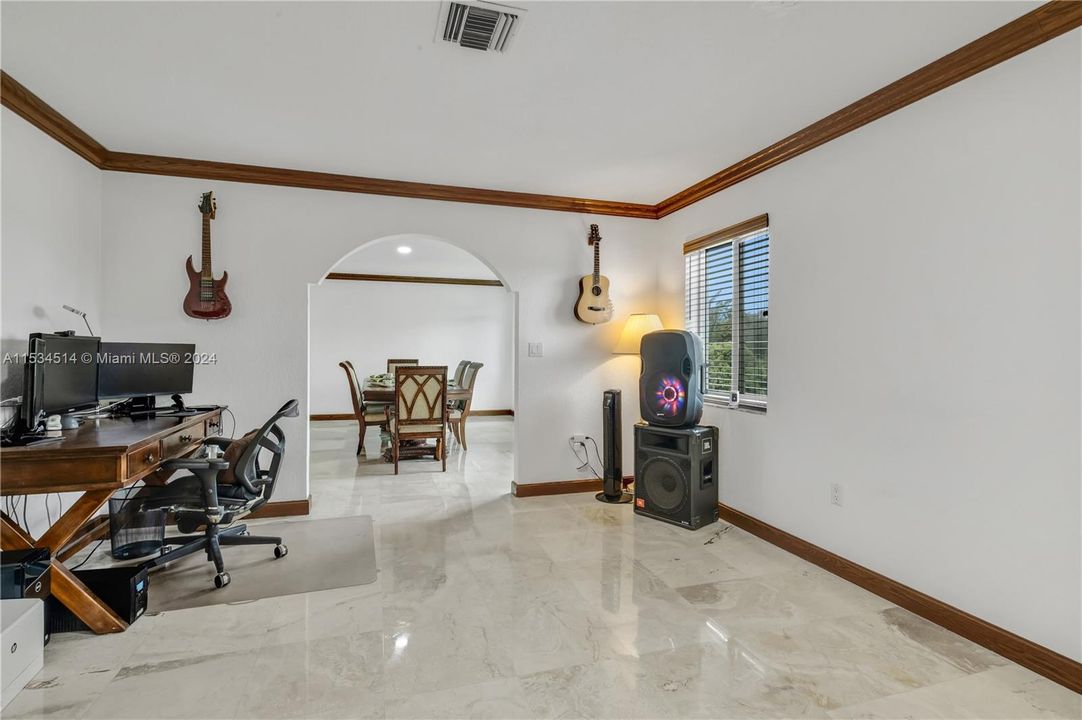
point(404, 249)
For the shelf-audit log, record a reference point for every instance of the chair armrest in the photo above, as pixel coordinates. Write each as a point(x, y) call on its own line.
point(216, 464)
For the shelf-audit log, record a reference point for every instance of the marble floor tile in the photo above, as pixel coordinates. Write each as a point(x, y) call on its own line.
point(195, 686)
point(327, 613)
point(496, 699)
point(443, 655)
point(340, 676)
point(860, 656)
point(490, 606)
point(1004, 692)
point(787, 598)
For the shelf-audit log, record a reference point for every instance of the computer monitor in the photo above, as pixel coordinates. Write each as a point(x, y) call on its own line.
point(144, 369)
point(61, 375)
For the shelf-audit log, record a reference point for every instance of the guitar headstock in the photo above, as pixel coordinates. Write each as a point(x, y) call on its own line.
point(208, 205)
point(594, 237)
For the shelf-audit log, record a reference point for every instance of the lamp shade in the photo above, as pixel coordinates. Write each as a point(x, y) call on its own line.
point(637, 325)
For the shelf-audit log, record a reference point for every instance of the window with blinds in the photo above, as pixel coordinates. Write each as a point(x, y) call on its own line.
point(727, 303)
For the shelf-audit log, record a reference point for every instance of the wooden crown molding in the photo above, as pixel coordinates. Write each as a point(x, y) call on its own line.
point(1032, 29)
point(256, 174)
point(364, 277)
point(41, 115)
point(37, 112)
point(1041, 25)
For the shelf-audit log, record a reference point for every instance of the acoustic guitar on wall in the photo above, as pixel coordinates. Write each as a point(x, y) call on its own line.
point(206, 299)
point(594, 305)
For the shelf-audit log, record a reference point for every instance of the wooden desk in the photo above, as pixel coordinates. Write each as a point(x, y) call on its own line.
point(97, 459)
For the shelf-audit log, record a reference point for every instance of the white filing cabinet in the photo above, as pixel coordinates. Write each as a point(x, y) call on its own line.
point(22, 644)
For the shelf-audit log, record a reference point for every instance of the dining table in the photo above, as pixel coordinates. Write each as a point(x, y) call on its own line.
point(376, 392)
point(379, 392)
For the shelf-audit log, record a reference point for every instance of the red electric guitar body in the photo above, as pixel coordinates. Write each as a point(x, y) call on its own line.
point(206, 298)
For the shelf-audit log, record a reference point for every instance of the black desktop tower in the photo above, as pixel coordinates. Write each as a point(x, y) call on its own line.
point(676, 474)
point(672, 379)
point(612, 444)
point(125, 589)
point(26, 574)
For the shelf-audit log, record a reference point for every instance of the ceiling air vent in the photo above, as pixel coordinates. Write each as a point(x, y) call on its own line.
point(479, 25)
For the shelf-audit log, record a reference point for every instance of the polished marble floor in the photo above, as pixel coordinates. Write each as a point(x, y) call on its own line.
point(492, 607)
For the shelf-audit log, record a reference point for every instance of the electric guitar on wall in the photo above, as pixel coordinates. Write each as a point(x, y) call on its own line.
point(206, 299)
point(594, 305)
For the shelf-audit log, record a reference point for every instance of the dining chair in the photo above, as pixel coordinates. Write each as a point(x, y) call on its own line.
point(392, 363)
point(458, 415)
point(460, 371)
point(419, 411)
point(366, 413)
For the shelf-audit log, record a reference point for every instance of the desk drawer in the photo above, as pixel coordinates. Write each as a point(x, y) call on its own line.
point(175, 445)
point(143, 459)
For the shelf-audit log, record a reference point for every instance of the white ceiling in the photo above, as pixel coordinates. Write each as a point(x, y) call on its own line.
point(430, 258)
point(612, 100)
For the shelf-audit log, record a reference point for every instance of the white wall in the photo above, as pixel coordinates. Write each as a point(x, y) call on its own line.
point(925, 323)
point(925, 345)
point(368, 322)
point(274, 241)
point(50, 250)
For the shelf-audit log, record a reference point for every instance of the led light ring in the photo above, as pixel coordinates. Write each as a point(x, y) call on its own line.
point(670, 395)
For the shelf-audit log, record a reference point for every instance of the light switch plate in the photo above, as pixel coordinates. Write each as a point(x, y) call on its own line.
point(535, 349)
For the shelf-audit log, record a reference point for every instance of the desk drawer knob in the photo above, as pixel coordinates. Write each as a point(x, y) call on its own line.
point(185, 438)
point(150, 457)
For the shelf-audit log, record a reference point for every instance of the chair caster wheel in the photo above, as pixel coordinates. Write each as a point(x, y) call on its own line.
point(221, 580)
point(280, 551)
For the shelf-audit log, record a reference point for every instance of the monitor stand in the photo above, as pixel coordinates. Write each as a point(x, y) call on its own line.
point(143, 406)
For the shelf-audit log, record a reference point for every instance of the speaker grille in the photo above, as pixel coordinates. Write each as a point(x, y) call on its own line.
point(664, 483)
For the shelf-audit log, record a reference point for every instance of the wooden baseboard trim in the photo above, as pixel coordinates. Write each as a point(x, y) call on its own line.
point(561, 487)
point(285, 508)
point(1039, 659)
point(317, 417)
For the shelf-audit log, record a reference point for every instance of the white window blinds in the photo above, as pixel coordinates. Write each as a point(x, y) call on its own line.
point(727, 303)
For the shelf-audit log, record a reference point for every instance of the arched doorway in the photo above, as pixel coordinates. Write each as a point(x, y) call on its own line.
point(419, 297)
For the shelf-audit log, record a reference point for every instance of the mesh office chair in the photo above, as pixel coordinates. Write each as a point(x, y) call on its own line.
point(220, 491)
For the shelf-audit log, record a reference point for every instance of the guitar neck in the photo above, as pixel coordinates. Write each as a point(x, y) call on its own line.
point(597, 261)
point(206, 271)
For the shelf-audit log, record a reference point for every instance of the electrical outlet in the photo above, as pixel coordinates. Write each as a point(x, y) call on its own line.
point(578, 439)
point(535, 349)
point(836, 494)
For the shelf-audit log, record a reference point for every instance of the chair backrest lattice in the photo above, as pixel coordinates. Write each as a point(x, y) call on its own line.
point(420, 393)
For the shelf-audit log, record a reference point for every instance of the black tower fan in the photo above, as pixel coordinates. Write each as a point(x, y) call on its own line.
point(613, 482)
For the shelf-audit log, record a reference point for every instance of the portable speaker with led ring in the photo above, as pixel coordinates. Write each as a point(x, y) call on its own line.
point(671, 383)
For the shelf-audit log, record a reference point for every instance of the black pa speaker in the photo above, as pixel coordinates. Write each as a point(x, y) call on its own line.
point(676, 474)
point(671, 383)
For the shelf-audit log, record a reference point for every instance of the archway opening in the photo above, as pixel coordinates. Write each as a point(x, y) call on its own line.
point(421, 299)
